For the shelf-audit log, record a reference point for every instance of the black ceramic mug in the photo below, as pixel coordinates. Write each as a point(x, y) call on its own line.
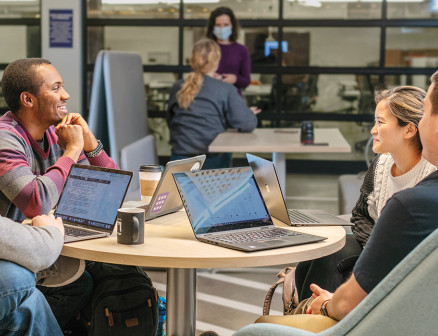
point(130, 226)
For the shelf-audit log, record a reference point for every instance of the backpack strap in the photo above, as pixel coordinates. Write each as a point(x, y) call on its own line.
point(290, 297)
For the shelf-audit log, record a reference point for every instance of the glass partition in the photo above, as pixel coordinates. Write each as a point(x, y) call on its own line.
point(243, 9)
point(330, 9)
point(414, 9)
point(411, 47)
point(133, 9)
point(19, 42)
point(20, 9)
point(148, 41)
point(261, 43)
point(331, 46)
point(335, 94)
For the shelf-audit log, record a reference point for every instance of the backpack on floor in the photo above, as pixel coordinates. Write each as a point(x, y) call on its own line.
point(124, 301)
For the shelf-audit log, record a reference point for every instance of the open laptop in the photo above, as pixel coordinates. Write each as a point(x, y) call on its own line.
point(225, 208)
point(267, 180)
point(89, 201)
point(166, 198)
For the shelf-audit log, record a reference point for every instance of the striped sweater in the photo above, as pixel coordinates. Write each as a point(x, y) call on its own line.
point(377, 188)
point(31, 179)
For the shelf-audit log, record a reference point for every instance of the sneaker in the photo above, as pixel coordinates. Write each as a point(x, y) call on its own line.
point(64, 271)
point(209, 333)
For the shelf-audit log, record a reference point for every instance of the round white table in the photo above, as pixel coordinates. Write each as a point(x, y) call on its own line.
point(170, 243)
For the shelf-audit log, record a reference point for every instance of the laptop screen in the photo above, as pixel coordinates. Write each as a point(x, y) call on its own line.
point(222, 199)
point(92, 195)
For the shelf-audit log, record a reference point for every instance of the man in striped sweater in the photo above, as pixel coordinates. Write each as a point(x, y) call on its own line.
point(39, 142)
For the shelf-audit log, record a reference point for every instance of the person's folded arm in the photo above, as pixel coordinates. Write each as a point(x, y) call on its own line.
point(31, 247)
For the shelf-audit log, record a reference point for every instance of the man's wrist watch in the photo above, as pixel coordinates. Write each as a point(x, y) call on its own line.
point(95, 152)
point(323, 308)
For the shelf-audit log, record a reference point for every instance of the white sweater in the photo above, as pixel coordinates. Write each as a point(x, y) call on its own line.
point(386, 185)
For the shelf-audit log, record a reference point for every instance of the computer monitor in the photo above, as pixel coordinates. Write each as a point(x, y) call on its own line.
point(269, 45)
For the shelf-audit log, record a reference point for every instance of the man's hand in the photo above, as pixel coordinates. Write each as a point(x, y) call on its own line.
point(71, 139)
point(229, 78)
point(319, 296)
point(43, 220)
point(90, 142)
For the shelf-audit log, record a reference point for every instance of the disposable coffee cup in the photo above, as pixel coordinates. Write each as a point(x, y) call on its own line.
point(149, 177)
point(130, 226)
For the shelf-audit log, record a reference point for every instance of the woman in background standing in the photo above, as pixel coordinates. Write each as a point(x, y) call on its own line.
point(235, 64)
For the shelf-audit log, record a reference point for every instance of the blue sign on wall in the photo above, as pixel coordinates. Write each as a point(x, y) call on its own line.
point(61, 28)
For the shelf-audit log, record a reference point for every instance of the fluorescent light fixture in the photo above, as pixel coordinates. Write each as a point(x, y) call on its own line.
point(153, 2)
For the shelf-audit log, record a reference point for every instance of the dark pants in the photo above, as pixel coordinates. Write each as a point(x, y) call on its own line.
point(328, 272)
point(67, 301)
point(213, 161)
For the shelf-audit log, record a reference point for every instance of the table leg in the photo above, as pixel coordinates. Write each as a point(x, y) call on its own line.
point(279, 160)
point(181, 302)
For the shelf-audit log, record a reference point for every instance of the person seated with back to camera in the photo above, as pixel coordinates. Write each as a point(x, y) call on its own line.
point(201, 106)
point(398, 165)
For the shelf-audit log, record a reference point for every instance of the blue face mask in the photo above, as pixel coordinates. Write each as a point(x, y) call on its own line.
point(223, 33)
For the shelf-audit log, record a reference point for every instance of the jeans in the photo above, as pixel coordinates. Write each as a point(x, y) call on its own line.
point(213, 161)
point(67, 301)
point(23, 309)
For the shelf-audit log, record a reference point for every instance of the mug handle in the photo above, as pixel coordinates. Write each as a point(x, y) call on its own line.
point(136, 233)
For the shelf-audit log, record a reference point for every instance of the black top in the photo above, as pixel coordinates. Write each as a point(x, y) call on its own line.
point(408, 218)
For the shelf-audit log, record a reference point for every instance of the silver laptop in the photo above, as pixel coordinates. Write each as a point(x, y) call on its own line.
point(225, 208)
point(166, 198)
point(267, 180)
point(89, 201)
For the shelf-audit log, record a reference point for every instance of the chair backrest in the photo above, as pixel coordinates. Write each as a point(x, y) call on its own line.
point(118, 115)
point(97, 117)
point(125, 100)
point(401, 304)
point(140, 152)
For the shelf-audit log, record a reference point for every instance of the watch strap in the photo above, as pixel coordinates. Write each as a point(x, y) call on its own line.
point(323, 308)
point(95, 152)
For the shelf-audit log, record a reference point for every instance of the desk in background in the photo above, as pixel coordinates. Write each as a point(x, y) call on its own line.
point(279, 141)
point(170, 243)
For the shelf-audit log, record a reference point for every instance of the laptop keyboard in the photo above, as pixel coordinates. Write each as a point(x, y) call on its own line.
point(78, 232)
point(299, 217)
point(242, 237)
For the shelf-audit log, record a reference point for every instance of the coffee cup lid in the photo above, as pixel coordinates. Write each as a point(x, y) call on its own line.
point(151, 168)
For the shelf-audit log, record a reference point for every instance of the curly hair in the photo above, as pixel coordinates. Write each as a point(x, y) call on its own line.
point(212, 21)
point(21, 76)
point(406, 104)
point(205, 58)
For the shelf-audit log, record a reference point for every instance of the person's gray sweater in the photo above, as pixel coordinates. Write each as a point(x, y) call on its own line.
point(215, 108)
point(31, 247)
